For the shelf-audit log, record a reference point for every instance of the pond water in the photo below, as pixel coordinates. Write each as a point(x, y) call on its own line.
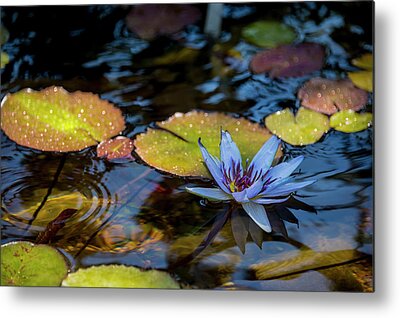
point(129, 213)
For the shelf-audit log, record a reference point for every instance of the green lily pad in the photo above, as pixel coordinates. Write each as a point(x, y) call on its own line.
point(268, 34)
point(55, 120)
point(4, 59)
point(362, 79)
point(307, 127)
point(119, 276)
point(27, 264)
point(365, 61)
point(349, 121)
point(173, 146)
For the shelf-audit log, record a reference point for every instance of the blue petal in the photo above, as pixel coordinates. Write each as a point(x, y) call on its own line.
point(214, 167)
point(264, 157)
point(212, 194)
point(257, 213)
point(230, 154)
point(240, 196)
point(284, 169)
point(269, 201)
point(255, 189)
point(287, 188)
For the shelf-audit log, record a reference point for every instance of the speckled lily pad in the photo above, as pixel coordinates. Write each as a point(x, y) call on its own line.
point(27, 264)
point(118, 147)
point(119, 276)
point(349, 121)
point(55, 120)
point(289, 60)
point(307, 127)
point(268, 34)
point(174, 148)
point(329, 96)
point(363, 79)
point(151, 20)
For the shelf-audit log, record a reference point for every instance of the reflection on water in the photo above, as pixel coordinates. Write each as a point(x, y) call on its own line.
point(131, 214)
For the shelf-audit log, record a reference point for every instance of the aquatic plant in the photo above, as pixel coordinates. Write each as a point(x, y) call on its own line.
point(363, 79)
point(289, 60)
point(251, 185)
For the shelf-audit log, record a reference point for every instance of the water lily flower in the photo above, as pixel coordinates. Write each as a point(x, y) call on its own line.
point(251, 185)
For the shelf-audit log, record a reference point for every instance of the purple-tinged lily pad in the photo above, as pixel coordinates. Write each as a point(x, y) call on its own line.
point(173, 147)
point(55, 120)
point(289, 60)
point(119, 147)
point(329, 96)
point(151, 20)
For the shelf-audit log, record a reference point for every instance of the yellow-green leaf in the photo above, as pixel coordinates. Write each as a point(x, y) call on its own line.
point(349, 121)
point(362, 79)
point(307, 127)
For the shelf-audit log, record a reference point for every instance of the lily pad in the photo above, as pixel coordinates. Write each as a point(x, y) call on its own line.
point(151, 20)
point(119, 276)
point(349, 121)
point(365, 61)
point(362, 79)
point(329, 96)
point(55, 120)
point(268, 34)
point(307, 127)
point(173, 146)
point(289, 60)
point(27, 264)
point(119, 147)
point(4, 59)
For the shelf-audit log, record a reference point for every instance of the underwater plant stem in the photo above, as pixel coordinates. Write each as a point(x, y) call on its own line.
point(49, 190)
point(213, 22)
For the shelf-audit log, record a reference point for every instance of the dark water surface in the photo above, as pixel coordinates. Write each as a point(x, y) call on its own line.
point(131, 214)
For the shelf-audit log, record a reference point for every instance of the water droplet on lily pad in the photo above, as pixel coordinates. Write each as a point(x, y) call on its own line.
point(289, 60)
point(55, 120)
point(151, 20)
point(349, 121)
point(28, 264)
point(118, 147)
point(329, 96)
point(363, 79)
point(174, 147)
point(268, 34)
point(307, 127)
point(119, 276)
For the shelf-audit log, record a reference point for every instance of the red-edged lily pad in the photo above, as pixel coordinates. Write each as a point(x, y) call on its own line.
point(55, 120)
point(116, 148)
point(289, 60)
point(151, 20)
point(173, 147)
point(329, 96)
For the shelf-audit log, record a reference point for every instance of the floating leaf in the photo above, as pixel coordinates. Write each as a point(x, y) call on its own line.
point(362, 79)
point(268, 34)
point(349, 121)
point(182, 56)
point(289, 60)
point(174, 146)
point(329, 96)
point(55, 120)
point(27, 264)
point(307, 127)
point(119, 276)
point(292, 262)
point(4, 59)
point(150, 20)
point(365, 61)
point(119, 147)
